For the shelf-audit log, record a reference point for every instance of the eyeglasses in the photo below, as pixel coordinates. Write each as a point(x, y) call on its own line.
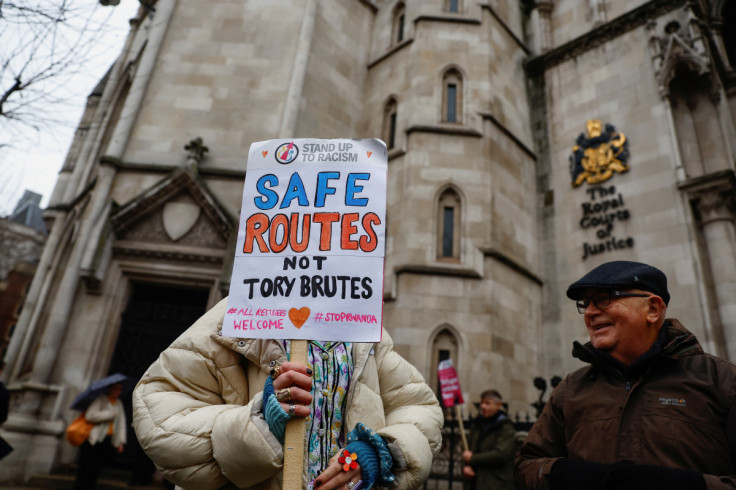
point(603, 299)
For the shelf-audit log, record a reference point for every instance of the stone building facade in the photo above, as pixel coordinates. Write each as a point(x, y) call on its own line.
point(528, 142)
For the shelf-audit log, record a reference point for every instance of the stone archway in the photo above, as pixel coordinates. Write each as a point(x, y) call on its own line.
point(155, 316)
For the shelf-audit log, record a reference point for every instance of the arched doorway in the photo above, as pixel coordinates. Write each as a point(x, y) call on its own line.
point(155, 316)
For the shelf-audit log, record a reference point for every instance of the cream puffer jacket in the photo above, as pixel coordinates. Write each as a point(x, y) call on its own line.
point(197, 410)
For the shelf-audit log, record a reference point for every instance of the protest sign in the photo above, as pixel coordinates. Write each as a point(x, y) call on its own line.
point(311, 242)
point(309, 255)
point(451, 393)
point(449, 384)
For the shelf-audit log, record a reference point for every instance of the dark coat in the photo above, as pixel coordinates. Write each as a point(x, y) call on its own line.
point(678, 410)
point(493, 445)
point(5, 448)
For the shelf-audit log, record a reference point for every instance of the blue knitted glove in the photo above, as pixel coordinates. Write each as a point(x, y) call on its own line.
point(364, 435)
point(267, 390)
point(275, 416)
point(368, 459)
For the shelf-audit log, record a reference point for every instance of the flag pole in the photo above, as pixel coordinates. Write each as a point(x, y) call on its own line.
point(462, 428)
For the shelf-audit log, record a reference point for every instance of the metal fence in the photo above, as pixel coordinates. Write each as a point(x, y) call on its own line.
point(447, 466)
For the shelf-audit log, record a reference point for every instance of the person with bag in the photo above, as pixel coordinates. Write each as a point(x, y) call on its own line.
point(78, 431)
point(107, 434)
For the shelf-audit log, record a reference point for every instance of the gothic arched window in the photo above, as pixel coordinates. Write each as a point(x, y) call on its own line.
point(448, 219)
point(452, 89)
point(695, 114)
point(399, 20)
point(444, 346)
point(389, 123)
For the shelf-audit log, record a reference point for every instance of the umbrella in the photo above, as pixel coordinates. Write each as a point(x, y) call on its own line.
point(100, 387)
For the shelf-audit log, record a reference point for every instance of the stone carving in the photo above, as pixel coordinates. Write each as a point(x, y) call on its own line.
point(715, 205)
point(196, 150)
point(600, 35)
point(595, 157)
point(179, 218)
point(679, 40)
point(152, 230)
point(181, 181)
point(176, 219)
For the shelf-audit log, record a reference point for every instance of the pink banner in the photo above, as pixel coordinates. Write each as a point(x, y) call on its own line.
point(449, 384)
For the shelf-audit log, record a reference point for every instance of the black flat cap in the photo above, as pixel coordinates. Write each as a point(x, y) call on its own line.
point(622, 274)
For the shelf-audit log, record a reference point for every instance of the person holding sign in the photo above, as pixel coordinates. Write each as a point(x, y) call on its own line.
point(199, 411)
point(492, 441)
point(217, 407)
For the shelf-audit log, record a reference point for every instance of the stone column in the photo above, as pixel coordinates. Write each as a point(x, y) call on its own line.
point(715, 207)
point(539, 19)
point(124, 126)
point(298, 71)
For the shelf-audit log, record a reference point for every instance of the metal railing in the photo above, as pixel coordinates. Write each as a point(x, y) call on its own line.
point(447, 466)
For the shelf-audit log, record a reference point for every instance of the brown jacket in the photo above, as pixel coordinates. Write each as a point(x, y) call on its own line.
point(678, 411)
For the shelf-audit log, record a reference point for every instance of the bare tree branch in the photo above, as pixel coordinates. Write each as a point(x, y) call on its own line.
point(42, 44)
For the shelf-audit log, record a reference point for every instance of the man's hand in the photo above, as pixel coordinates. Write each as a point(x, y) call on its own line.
point(578, 474)
point(630, 476)
point(468, 471)
point(467, 455)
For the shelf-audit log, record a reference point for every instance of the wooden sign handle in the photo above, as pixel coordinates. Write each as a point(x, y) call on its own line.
point(462, 427)
point(295, 432)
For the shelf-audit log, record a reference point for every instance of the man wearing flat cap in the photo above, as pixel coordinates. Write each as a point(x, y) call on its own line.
point(651, 411)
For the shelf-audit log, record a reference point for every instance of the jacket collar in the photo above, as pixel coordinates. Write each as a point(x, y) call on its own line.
point(491, 422)
point(680, 341)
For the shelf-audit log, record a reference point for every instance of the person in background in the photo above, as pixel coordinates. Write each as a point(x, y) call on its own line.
point(489, 462)
point(211, 412)
point(107, 437)
point(650, 411)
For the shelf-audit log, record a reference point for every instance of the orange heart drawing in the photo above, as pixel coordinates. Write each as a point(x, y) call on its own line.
point(369, 153)
point(264, 153)
point(298, 317)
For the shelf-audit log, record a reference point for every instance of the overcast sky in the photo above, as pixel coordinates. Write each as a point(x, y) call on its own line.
point(35, 162)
